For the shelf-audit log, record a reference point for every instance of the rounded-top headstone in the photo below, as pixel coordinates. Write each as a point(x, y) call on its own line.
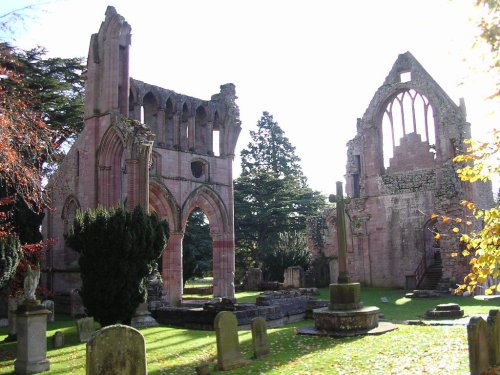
point(117, 350)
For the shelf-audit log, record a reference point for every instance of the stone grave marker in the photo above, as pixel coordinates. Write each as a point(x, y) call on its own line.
point(252, 279)
point(31, 348)
point(477, 337)
point(58, 340)
point(116, 349)
point(259, 338)
point(294, 277)
point(228, 347)
point(77, 310)
point(85, 328)
point(49, 305)
point(11, 316)
point(493, 322)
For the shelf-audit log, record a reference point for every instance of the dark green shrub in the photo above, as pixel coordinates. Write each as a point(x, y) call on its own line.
point(118, 250)
point(10, 253)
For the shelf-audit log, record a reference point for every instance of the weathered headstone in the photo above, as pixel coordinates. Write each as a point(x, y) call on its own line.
point(477, 337)
point(76, 305)
point(31, 321)
point(85, 328)
point(49, 305)
point(203, 369)
point(228, 347)
point(11, 316)
point(58, 340)
point(116, 349)
point(294, 277)
point(493, 322)
point(259, 337)
point(252, 279)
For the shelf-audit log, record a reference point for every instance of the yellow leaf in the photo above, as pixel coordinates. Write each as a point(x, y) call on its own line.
point(455, 230)
point(458, 220)
point(445, 219)
point(488, 292)
point(453, 255)
point(433, 216)
point(437, 237)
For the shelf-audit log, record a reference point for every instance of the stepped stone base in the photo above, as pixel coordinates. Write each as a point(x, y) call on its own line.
point(362, 319)
point(383, 327)
point(445, 311)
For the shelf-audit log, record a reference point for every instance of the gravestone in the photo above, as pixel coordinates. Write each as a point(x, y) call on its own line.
point(477, 337)
point(77, 310)
point(259, 338)
point(116, 349)
point(493, 322)
point(31, 348)
point(252, 279)
point(11, 316)
point(49, 305)
point(294, 277)
point(58, 340)
point(85, 328)
point(228, 347)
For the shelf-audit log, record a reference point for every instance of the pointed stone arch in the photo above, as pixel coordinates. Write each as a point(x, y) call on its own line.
point(164, 204)
point(110, 168)
point(68, 214)
point(211, 204)
point(221, 231)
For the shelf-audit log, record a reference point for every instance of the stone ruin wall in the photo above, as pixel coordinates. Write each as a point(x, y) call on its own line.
point(393, 200)
point(168, 164)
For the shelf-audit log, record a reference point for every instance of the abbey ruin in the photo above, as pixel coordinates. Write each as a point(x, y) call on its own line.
point(149, 146)
point(171, 153)
point(399, 172)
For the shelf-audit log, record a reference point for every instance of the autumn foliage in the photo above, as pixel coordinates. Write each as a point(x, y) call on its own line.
point(24, 146)
point(479, 228)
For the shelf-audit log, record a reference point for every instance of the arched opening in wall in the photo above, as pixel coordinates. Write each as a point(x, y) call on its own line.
point(197, 255)
point(131, 106)
point(68, 216)
point(185, 129)
point(408, 131)
point(432, 243)
point(123, 180)
point(150, 106)
point(169, 124)
point(201, 136)
point(430, 269)
point(216, 135)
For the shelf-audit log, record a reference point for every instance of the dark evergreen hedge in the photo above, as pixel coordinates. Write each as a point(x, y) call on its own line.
point(118, 250)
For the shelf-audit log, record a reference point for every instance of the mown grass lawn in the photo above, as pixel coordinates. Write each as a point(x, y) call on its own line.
point(408, 350)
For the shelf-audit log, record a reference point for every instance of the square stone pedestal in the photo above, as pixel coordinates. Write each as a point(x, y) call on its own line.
point(31, 325)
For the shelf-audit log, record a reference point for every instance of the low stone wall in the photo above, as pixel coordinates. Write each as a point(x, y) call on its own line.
point(276, 308)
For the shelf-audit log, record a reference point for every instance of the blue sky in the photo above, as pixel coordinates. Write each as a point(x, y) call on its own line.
point(314, 65)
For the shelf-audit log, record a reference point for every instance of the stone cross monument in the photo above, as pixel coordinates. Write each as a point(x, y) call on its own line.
point(341, 232)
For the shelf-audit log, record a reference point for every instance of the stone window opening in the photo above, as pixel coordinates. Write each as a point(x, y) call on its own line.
point(185, 128)
point(404, 77)
point(201, 130)
point(150, 114)
point(355, 177)
point(169, 123)
point(216, 136)
point(198, 169)
point(408, 118)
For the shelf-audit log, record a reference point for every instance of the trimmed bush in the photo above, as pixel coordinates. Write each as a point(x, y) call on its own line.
point(118, 250)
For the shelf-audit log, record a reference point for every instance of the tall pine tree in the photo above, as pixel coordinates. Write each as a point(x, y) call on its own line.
point(271, 196)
